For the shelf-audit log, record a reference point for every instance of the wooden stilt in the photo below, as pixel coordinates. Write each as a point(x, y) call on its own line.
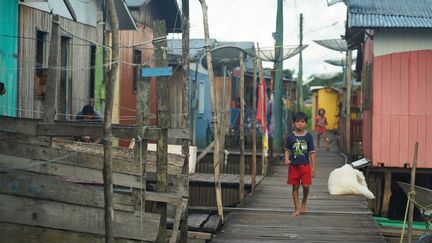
point(387, 193)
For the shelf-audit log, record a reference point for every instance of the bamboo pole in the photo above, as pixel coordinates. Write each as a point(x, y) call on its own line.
point(242, 132)
point(215, 119)
point(411, 195)
point(254, 138)
point(108, 137)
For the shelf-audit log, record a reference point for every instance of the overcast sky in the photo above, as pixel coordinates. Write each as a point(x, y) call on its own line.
point(255, 21)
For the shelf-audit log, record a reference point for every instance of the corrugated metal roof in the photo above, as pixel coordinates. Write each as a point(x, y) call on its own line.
point(390, 13)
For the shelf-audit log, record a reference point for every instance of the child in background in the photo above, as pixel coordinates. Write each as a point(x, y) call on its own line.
point(300, 158)
point(320, 128)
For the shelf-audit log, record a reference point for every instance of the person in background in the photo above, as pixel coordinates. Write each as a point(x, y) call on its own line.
point(88, 114)
point(300, 158)
point(320, 127)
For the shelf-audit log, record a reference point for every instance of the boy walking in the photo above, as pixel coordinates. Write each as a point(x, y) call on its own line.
point(300, 158)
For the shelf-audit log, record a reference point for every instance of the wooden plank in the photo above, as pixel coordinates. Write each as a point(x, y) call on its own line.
point(403, 143)
point(404, 91)
point(204, 152)
point(385, 139)
point(387, 194)
point(196, 221)
point(72, 128)
point(395, 84)
point(18, 125)
point(412, 136)
point(25, 139)
point(212, 225)
point(75, 218)
point(171, 198)
point(80, 159)
point(422, 79)
point(10, 163)
point(376, 139)
point(395, 145)
point(38, 186)
point(377, 88)
point(386, 84)
point(421, 139)
point(18, 233)
point(413, 84)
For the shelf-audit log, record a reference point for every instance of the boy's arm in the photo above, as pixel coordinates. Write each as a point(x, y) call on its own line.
point(287, 154)
point(312, 163)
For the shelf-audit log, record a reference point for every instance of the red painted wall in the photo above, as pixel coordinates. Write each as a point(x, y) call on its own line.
point(402, 109)
point(127, 95)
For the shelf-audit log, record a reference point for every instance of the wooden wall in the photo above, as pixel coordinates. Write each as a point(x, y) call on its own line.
point(32, 20)
point(401, 112)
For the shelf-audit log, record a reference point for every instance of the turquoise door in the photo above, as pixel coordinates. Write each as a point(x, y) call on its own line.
point(9, 56)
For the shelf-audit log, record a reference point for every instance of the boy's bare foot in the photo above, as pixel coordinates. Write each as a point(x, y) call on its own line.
point(296, 213)
point(303, 209)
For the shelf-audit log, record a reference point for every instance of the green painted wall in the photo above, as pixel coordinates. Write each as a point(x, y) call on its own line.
point(9, 56)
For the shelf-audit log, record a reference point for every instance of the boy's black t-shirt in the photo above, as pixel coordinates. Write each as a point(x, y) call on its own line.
point(300, 147)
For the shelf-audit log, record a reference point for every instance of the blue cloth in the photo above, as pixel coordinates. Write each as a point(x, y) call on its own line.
point(300, 147)
point(235, 114)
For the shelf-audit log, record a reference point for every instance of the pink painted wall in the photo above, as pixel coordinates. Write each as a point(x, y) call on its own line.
point(401, 110)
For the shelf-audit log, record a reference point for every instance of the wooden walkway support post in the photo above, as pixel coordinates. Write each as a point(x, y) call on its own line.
point(411, 195)
point(215, 114)
point(185, 111)
point(254, 138)
point(53, 73)
point(164, 121)
point(263, 156)
point(348, 105)
point(108, 137)
point(242, 131)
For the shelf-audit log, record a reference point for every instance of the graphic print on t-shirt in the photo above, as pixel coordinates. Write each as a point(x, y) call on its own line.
point(300, 148)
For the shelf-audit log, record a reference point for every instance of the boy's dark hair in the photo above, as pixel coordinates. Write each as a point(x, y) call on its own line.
point(300, 116)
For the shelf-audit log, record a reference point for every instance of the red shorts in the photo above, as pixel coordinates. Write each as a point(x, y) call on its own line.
point(299, 174)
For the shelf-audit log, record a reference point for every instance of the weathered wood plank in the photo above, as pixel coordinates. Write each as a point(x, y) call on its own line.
point(18, 233)
point(10, 163)
point(75, 218)
point(171, 198)
point(37, 186)
point(25, 139)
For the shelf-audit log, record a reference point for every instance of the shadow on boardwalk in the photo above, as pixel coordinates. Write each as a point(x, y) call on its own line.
point(266, 214)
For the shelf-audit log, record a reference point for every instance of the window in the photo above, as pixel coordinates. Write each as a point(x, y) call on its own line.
point(65, 96)
point(136, 60)
point(41, 72)
point(92, 71)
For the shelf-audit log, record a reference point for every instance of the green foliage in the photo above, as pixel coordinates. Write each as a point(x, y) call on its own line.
point(321, 82)
point(287, 73)
point(308, 112)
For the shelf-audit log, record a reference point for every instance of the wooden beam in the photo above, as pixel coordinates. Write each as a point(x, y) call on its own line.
point(170, 198)
point(164, 120)
point(75, 218)
point(204, 152)
point(24, 126)
point(242, 132)
point(53, 73)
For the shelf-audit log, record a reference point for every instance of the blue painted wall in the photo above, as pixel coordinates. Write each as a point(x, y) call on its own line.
point(9, 56)
point(204, 130)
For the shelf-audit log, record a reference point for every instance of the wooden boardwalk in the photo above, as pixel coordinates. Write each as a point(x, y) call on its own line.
point(266, 214)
